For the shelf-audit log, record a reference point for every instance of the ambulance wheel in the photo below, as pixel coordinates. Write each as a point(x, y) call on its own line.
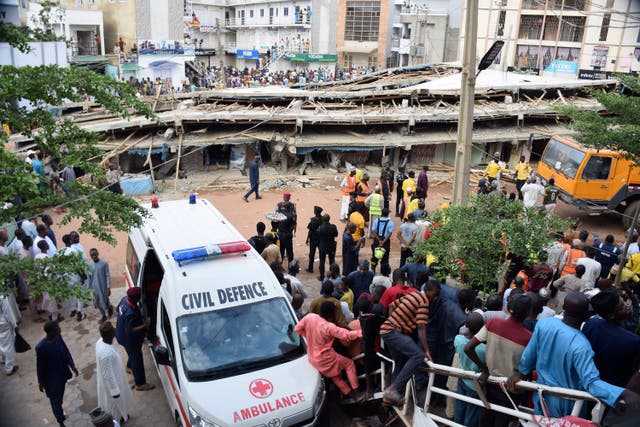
point(178, 420)
point(629, 212)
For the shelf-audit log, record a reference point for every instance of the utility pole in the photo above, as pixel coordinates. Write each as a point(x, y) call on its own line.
point(465, 118)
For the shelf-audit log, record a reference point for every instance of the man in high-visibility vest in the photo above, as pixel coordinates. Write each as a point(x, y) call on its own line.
point(348, 185)
point(375, 203)
point(363, 190)
point(522, 174)
point(570, 258)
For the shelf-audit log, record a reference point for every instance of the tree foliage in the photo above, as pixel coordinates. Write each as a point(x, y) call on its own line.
point(28, 99)
point(619, 128)
point(471, 242)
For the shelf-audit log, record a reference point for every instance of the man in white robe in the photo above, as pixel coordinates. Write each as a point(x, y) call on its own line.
point(8, 323)
point(114, 391)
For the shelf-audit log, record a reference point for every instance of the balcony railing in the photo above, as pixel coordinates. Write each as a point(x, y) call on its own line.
point(265, 21)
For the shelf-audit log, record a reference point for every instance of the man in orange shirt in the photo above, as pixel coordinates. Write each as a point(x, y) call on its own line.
point(348, 185)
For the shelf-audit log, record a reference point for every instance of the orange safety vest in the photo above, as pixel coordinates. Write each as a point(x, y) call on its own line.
point(522, 274)
point(571, 262)
point(367, 189)
point(351, 185)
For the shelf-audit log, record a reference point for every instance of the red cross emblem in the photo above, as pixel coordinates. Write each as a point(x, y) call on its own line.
point(261, 388)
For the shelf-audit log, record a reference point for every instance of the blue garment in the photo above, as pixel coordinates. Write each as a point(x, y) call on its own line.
point(128, 318)
point(617, 350)
point(563, 357)
point(448, 292)
point(465, 363)
point(53, 366)
point(360, 282)
point(379, 226)
point(254, 173)
point(412, 269)
point(36, 164)
point(349, 254)
point(607, 255)
point(51, 235)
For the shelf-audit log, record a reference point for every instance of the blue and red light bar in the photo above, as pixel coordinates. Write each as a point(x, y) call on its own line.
point(200, 252)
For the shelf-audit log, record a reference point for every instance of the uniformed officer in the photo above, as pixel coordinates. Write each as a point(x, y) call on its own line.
point(130, 332)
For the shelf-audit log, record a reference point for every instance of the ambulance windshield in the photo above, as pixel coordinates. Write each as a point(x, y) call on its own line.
point(236, 340)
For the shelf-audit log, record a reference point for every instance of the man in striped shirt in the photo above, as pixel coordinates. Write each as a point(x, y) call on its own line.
point(411, 313)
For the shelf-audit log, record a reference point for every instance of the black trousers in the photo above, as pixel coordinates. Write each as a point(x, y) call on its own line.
point(399, 195)
point(136, 363)
point(407, 253)
point(384, 262)
point(312, 254)
point(286, 246)
point(519, 184)
point(487, 417)
point(324, 253)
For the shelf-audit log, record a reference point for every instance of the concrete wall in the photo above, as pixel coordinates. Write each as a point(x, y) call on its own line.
point(42, 53)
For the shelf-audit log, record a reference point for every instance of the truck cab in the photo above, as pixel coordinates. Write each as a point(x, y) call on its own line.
point(595, 180)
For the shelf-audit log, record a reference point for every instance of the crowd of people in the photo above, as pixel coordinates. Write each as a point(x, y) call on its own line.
point(555, 321)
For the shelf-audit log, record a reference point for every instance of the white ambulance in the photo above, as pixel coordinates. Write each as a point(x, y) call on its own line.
point(224, 345)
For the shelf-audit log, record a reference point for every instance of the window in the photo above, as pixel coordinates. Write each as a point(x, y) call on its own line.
point(372, 61)
point(236, 340)
point(563, 158)
point(91, 1)
point(166, 328)
point(604, 29)
point(285, 11)
point(133, 264)
point(251, 13)
point(79, 2)
point(597, 167)
point(261, 13)
point(530, 27)
point(362, 21)
point(347, 61)
point(572, 28)
point(501, 20)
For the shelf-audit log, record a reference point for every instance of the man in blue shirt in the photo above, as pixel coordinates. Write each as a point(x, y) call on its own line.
point(617, 350)
point(413, 268)
point(381, 231)
point(607, 253)
point(563, 357)
point(361, 279)
point(467, 413)
point(254, 179)
point(130, 332)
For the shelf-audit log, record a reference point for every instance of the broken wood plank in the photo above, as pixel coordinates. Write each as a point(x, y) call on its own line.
point(175, 182)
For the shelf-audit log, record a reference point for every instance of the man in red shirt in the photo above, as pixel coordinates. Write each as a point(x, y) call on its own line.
point(398, 289)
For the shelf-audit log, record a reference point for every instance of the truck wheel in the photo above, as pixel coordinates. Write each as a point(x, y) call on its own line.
point(629, 212)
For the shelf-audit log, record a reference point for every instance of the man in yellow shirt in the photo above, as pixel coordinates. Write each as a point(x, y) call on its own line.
point(410, 182)
point(493, 169)
point(358, 219)
point(522, 174)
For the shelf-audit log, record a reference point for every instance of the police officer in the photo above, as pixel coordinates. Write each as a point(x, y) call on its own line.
point(130, 333)
point(312, 235)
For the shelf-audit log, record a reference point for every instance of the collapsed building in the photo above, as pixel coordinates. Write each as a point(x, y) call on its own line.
point(406, 115)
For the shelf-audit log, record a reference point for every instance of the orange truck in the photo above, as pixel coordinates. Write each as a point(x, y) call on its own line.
point(597, 181)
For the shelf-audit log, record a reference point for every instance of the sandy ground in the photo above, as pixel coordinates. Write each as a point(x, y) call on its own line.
point(227, 197)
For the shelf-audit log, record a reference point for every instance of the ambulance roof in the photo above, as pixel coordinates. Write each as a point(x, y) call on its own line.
point(211, 283)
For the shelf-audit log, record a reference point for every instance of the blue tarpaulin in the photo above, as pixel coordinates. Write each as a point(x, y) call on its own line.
point(138, 185)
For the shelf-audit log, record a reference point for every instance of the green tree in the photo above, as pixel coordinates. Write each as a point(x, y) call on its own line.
point(471, 241)
point(27, 99)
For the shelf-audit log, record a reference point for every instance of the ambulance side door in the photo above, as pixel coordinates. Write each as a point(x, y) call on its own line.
point(168, 373)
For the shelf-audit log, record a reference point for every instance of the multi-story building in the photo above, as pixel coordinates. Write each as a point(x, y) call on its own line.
point(584, 38)
point(363, 36)
point(13, 12)
point(419, 36)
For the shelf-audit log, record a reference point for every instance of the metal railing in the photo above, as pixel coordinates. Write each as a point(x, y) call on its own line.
point(579, 397)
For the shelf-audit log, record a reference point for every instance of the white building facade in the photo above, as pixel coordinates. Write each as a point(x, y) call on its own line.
point(584, 38)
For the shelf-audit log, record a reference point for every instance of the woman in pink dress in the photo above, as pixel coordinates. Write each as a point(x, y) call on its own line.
point(320, 333)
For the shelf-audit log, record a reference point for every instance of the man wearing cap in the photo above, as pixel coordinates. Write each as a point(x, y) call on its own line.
point(312, 235)
point(617, 350)
point(286, 231)
point(101, 418)
point(348, 185)
point(374, 203)
point(114, 393)
point(54, 365)
point(286, 198)
point(130, 332)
